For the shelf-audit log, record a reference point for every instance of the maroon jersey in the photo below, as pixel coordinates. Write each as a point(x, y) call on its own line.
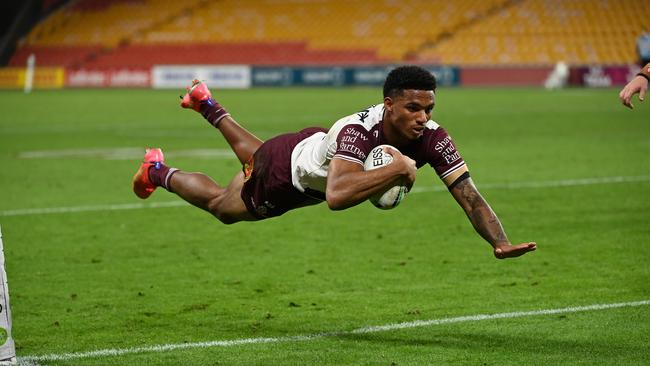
point(290, 171)
point(359, 133)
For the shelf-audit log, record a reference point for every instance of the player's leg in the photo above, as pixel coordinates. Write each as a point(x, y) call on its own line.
point(242, 142)
point(224, 203)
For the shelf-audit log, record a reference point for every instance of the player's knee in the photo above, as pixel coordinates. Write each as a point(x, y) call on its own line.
point(217, 210)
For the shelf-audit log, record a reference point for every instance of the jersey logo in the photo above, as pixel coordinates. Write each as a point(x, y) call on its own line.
point(248, 169)
point(363, 115)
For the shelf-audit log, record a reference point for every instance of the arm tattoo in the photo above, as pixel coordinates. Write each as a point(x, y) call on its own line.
point(484, 220)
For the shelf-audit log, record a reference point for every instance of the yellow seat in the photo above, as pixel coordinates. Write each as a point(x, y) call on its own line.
point(457, 32)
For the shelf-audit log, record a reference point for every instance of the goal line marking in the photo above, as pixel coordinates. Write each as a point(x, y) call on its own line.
point(315, 336)
point(177, 203)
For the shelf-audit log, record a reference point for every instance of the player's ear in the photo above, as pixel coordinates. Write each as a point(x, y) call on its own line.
point(388, 104)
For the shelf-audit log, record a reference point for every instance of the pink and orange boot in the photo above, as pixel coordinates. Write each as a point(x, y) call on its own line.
point(142, 185)
point(196, 94)
point(199, 98)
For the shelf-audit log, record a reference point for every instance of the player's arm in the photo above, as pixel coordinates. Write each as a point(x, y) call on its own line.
point(482, 217)
point(348, 184)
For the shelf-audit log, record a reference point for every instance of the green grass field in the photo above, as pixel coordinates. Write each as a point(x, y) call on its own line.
point(91, 267)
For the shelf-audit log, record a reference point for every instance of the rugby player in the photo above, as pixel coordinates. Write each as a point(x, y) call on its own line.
point(316, 164)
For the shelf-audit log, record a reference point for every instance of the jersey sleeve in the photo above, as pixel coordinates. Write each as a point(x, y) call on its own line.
point(353, 143)
point(444, 158)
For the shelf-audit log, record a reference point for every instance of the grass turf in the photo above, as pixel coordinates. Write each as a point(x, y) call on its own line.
point(128, 278)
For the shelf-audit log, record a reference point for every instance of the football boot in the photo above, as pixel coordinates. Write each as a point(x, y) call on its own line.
point(196, 94)
point(142, 186)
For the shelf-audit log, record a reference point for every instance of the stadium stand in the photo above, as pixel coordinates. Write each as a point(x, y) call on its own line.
point(88, 29)
point(547, 31)
point(391, 28)
point(140, 33)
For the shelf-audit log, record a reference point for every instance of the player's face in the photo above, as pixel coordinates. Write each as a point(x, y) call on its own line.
point(409, 112)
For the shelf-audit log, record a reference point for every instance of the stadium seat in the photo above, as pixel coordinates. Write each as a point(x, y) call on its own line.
point(464, 32)
point(543, 32)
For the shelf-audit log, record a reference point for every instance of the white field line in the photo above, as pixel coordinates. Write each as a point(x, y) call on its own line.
point(72, 209)
point(547, 184)
point(514, 185)
point(315, 336)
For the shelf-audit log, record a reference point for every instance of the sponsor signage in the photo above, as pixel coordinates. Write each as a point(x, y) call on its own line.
point(130, 78)
point(9, 78)
point(371, 76)
point(602, 76)
point(445, 75)
point(272, 76)
point(86, 78)
point(103, 78)
point(221, 76)
point(339, 76)
point(319, 76)
point(44, 77)
point(227, 76)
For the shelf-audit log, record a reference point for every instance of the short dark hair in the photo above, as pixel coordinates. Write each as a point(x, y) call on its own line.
point(408, 77)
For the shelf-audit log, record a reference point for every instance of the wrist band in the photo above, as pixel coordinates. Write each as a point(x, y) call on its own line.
point(644, 75)
point(645, 72)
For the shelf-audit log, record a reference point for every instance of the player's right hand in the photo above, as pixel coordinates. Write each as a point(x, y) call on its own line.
point(405, 164)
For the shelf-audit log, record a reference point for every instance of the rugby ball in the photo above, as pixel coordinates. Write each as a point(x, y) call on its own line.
point(392, 195)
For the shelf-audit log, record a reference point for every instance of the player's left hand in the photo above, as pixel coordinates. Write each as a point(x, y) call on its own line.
point(502, 251)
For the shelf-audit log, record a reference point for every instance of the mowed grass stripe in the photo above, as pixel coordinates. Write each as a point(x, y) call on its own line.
point(309, 337)
point(73, 209)
point(514, 185)
point(123, 153)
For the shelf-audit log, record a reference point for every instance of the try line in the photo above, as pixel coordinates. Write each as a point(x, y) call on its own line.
point(310, 337)
point(514, 185)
